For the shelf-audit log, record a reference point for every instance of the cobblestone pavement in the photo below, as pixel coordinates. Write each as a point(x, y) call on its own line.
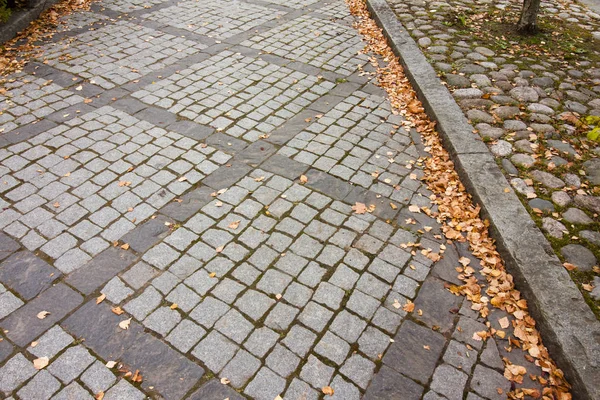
point(528, 106)
point(154, 158)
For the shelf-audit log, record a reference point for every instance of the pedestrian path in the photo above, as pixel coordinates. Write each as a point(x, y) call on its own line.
point(182, 185)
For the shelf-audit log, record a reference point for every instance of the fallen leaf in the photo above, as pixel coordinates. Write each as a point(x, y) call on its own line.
point(174, 306)
point(117, 310)
point(56, 205)
point(359, 208)
point(43, 314)
point(124, 183)
point(413, 208)
point(219, 249)
point(40, 363)
point(212, 274)
point(99, 395)
point(125, 246)
point(504, 322)
point(409, 306)
point(182, 179)
point(111, 364)
point(394, 207)
point(328, 390)
point(225, 381)
point(137, 377)
point(587, 287)
point(569, 266)
point(303, 179)
point(235, 224)
point(125, 324)
point(33, 344)
point(100, 298)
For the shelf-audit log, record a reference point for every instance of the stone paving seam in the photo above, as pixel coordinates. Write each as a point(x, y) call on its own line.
point(568, 334)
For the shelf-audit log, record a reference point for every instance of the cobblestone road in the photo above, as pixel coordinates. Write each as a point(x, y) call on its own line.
point(204, 115)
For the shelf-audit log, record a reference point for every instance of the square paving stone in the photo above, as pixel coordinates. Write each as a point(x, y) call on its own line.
point(71, 364)
point(261, 341)
point(274, 282)
point(227, 290)
point(116, 291)
point(215, 351)
point(359, 369)
point(333, 348)
point(209, 311)
point(185, 298)
point(348, 326)
point(162, 320)
point(373, 343)
point(312, 275)
point(41, 387)
point(300, 390)
point(344, 277)
point(73, 391)
point(254, 304)
point(98, 377)
point(9, 303)
point(16, 371)
point(316, 373)
point(215, 390)
point(282, 361)
point(437, 303)
point(234, 326)
point(240, 369)
point(27, 274)
point(315, 316)
point(124, 390)
point(344, 390)
point(449, 381)
point(161, 256)
point(297, 294)
point(266, 385)
point(363, 305)
point(329, 295)
point(51, 343)
point(185, 335)
point(291, 263)
point(281, 316)
point(299, 340)
point(143, 305)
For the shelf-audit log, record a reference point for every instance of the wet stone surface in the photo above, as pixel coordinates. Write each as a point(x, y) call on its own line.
point(176, 196)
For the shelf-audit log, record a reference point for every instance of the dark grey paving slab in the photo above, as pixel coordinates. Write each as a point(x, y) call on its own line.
point(27, 274)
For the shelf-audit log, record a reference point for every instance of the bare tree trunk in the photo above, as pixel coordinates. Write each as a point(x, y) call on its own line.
point(528, 21)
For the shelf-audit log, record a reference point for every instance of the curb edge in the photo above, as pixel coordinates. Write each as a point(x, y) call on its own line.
point(569, 329)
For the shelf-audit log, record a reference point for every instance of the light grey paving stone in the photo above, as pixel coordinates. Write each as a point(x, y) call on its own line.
point(282, 361)
point(162, 320)
point(359, 369)
point(297, 294)
point(344, 277)
point(51, 343)
point(274, 282)
point(315, 316)
point(185, 266)
point(459, 356)
point(124, 390)
point(311, 275)
point(348, 326)
point(71, 364)
point(344, 390)
point(116, 291)
point(138, 275)
point(143, 305)
point(254, 304)
point(234, 326)
point(281, 316)
point(241, 368)
point(16, 371)
point(227, 290)
point(261, 341)
point(329, 295)
point(41, 387)
point(73, 391)
point(316, 373)
point(266, 385)
point(362, 304)
point(201, 281)
point(246, 274)
point(215, 351)
point(373, 343)
point(98, 378)
point(333, 348)
point(449, 381)
point(185, 335)
point(161, 256)
point(386, 320)
point(299, 340)
point(209, 311)
point(185, 298)
point(165, 282)
point(299, 389)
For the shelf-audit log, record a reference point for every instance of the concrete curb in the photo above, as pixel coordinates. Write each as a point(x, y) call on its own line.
point(19, 20)
point(569, 328)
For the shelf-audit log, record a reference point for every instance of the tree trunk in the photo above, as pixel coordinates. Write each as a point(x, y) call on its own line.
point(528, 21)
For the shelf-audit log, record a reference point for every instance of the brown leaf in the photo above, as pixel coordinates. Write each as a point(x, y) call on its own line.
point(328, 390)
point(303, 179)
point(409, 306)
point(56, 205)
point(137, 377)
point(117, 310)
point(394, 207)
point(235, 224)
point(125, 246)
point(174, 306)
point(99, 395)
point(569, 266)
point(124, 183)
point(212, 274)
point(100, 298)
point(587, 287)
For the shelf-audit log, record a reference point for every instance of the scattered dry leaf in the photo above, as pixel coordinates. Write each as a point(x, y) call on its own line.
point(100, 298)
point(125, 324)
point(40, 363)
point(43, 314)
point(328, 391)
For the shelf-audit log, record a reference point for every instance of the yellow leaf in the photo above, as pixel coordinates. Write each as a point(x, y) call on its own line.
point(235, 224)
point(100, 298)
point(303, 179)
point(40, 363)
point(212, 274)
point(328, 390)
point(125, 246)
point(99, 395)
point(43, 314)
point(394, 207)
point(174, 306)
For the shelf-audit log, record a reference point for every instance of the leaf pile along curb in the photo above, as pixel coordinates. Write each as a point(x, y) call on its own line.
point(461, 222)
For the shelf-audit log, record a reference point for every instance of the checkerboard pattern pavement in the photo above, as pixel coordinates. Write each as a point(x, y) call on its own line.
point(154, 222)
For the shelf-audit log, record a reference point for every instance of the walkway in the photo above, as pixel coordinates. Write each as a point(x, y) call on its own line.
point(178, 186)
